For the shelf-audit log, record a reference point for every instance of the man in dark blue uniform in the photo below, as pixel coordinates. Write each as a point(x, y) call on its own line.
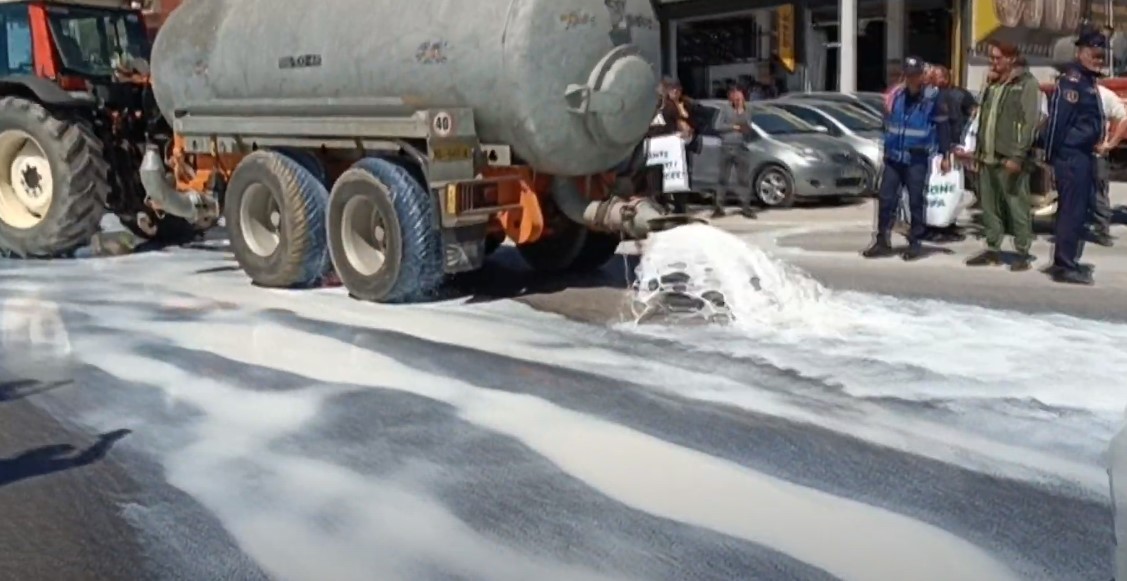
point(1074, 130)
point(916, 128)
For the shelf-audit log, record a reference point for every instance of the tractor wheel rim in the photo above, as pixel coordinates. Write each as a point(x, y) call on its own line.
point(363, 236)
point(27, 187)
point(260, 220)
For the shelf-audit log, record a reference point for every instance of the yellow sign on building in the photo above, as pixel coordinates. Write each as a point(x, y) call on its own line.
point(784, 31)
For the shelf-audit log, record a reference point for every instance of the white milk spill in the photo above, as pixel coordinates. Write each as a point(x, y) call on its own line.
point(879, 346)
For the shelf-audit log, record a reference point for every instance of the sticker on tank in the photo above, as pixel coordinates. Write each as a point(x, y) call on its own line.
point(431, 52)
point(622, 25)
point(576, 18)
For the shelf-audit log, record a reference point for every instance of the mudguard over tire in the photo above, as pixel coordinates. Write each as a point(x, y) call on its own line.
point(570, 248)
point(54, 181)
point(275, 214)
point(383, 234)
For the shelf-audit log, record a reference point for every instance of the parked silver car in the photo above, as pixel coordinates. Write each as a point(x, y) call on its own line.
point(860, 130)
point(789, 159)
point(871, 102)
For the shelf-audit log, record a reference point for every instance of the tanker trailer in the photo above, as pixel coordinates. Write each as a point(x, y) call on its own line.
point(400, 143)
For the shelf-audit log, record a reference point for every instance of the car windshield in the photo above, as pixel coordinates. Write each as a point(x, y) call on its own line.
point(779, 122)
point(91, 42)
point(851, 118)
point(871, 100)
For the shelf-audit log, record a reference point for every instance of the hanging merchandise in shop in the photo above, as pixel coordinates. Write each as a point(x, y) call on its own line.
point(1041, 29)
point(784, 29)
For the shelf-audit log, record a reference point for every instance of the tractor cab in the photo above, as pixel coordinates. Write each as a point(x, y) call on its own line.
point(77, 44)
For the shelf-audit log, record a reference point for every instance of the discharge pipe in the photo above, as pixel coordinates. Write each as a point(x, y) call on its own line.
point(191, 206)
point(636, 217)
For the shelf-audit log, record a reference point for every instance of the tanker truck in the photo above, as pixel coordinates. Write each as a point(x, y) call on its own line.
point(395, 146)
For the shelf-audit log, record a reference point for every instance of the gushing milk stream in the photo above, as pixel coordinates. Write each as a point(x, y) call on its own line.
point(878, 346)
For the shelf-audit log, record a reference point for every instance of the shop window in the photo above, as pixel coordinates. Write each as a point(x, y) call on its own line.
point(712, 54)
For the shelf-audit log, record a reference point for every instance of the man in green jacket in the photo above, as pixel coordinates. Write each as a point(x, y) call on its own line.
point(1008, 118)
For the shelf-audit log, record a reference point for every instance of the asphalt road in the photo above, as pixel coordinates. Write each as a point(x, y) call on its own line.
point(162, 419)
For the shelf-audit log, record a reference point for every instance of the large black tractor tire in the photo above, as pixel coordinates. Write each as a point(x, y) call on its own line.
point(54, 181)
point(383, 234)
point(275, 214)
point(570, 248)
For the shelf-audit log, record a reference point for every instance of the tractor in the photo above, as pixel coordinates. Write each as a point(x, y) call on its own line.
point(76, 111)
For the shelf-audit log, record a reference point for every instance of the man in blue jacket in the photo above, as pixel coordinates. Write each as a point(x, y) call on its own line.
point(1074, 131)
point(916, 128)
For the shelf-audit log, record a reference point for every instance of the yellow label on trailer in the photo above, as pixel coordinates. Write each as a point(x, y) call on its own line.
point(452, 152)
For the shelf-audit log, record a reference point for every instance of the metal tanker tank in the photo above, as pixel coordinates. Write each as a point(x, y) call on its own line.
point(524, 66)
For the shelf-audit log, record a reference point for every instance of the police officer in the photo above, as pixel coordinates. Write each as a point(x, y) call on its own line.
point(916, 127)
point(1075, 129)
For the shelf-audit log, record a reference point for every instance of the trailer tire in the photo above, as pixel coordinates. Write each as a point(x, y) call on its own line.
point(275, 214)
point(307, 160)
point(77, 183)
point(570, 248)
point(405, 263)
point(598, 249)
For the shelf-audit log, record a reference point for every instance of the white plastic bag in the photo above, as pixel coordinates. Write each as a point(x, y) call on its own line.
point(946, 196)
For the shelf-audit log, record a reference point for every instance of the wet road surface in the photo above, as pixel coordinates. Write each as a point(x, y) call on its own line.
point(162, 419)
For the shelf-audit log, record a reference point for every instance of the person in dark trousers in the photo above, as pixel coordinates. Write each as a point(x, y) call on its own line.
point(916, 128)
point(733, 124)
point(961, 106)
point(1075, 130)
point(673, 119)
point(1007, 129)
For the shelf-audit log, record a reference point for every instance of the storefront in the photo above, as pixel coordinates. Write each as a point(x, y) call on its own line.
point(712, 43)
point(1044, 30)
point(709, 43)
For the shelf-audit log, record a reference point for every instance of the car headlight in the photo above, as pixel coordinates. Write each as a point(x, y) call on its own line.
point(810, 154)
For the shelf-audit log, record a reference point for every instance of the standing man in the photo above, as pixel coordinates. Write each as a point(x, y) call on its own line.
point(1075, 131)
point(733, 124)
point(916, 128)
point(1008, 123)
point(960, 102)
point(1116, 115)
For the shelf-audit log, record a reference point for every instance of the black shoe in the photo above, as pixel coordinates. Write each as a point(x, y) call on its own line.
point(985, 258)
point(1022, 264)
point(718, 213)
point(913, 253)
point(878, 249)
point(1103, 239)
point(1082, 277)
point(749, 214)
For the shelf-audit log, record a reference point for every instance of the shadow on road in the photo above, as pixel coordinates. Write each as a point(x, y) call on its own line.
point(505, 276)
point(23, 388)
point(56, 458)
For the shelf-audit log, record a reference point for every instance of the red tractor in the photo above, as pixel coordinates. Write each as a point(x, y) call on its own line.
point(76, 111)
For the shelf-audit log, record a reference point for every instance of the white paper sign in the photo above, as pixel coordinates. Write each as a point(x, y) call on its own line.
point(946, 196)
point(669, 152)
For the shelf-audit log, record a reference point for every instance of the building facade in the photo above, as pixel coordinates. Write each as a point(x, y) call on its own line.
point(710, 42)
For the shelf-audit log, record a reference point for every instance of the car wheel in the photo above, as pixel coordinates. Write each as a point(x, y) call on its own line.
point(774, 187)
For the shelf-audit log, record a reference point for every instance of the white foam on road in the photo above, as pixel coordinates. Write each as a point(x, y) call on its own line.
point(520, 332)
point(636, 469)
point(877, 346)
